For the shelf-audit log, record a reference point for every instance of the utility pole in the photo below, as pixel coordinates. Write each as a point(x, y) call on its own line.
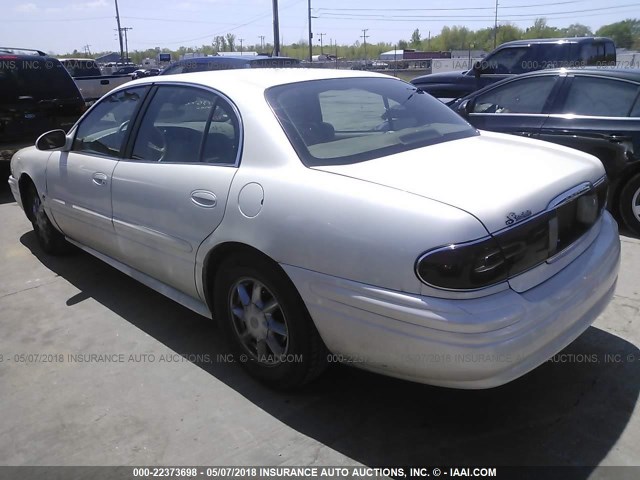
point(119, 33)
point(321, 38)
point(364, 36)
point(126, 41)
point(87, 50)
point(276, 30)
point(261, 42)
point(310, 35)
point(495, 28)
point(241, 40)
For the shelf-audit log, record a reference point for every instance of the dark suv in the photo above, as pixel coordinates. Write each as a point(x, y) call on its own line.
point(37, 94)
point(520, 56)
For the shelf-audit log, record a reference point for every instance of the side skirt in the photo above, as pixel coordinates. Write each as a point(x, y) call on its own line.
point(177, 296)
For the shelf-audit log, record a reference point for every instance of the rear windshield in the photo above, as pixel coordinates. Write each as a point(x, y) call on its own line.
point(82, 68)
point(350, 120)
point(37, 78)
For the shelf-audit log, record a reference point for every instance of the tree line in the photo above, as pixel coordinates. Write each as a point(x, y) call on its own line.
point(625, 34)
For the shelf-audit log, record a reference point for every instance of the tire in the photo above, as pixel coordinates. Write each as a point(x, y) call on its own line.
point(267, 324)
point(630, 204)
point(50, 239)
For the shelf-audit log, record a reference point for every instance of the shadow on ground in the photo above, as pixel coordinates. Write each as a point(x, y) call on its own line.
point(563, 413)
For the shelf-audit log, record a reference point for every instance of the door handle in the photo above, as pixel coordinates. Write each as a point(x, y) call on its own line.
point(99, 178)
point(204, 198)
point(104, 82)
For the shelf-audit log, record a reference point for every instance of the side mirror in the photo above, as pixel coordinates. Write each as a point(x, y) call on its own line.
point(464, 108)
point(51, 140)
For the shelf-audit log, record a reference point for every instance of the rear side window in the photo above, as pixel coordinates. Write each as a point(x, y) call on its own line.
point(521, 96)
point(600, 97)
point(598, 53)
point(36, 78)
point(105, 127)
point(187, 125)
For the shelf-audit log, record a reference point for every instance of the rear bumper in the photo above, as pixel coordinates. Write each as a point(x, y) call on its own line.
point(472, 343)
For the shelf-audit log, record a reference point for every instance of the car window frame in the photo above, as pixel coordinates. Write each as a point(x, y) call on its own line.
point(560, 82)
point(128, 150)
point(558, 109)
point(74, 131)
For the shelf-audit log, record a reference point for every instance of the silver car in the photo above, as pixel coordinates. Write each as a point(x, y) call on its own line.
point(326, 216)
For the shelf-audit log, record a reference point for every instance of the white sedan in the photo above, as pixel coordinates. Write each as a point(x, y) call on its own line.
point(327, 216)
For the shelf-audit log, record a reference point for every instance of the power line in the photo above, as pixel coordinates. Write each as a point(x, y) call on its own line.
point(452, 9)
point(447, 9)
point(354, 16)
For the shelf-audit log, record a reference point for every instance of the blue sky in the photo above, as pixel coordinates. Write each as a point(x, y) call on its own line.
point(63, 25)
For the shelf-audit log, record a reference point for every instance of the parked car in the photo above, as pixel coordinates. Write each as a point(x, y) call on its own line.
point(314, 211)
point(204, 64)
point(140, 73)
point(146, 72)
point(520, 56)
point(127, 70)
point(594, 110)
point(36, 95)
point(91, 82)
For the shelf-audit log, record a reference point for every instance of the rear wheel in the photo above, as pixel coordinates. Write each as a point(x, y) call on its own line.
point(630, 204)
point(50, 239)
point(267, 323)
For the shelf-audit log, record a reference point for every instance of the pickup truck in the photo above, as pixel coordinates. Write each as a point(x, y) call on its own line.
point(520, 56)
point(90, 80)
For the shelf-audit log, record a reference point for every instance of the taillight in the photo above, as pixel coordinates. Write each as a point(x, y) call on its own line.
point(464, 266)
point(514, 250)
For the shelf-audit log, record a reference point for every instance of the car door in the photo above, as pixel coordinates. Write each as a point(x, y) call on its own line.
point(170, 193)
point(517, 107)
point(594, 114)
point(79, 181)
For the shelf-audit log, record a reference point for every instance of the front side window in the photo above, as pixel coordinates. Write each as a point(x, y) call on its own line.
point(104, 129)
point(521, 96)
point(349, 120)
point(602, 97)
point(187, 125)
point(508, 60)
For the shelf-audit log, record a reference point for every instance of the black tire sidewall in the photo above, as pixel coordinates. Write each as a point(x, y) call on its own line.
point(626, 196)
point(290, 373)
point(49, 238)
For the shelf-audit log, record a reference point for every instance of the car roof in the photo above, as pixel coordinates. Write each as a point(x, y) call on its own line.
point(577, 40)
point(230, 59)
point(632, 74)
point(262, 78)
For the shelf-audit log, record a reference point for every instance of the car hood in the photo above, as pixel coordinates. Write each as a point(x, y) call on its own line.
point(443, 77)
point(492, 176)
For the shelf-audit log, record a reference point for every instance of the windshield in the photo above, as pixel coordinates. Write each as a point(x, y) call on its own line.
point(350, 120)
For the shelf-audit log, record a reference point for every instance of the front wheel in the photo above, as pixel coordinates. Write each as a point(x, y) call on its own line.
point(630, 204)
point(267, 323)
point(50, 239)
